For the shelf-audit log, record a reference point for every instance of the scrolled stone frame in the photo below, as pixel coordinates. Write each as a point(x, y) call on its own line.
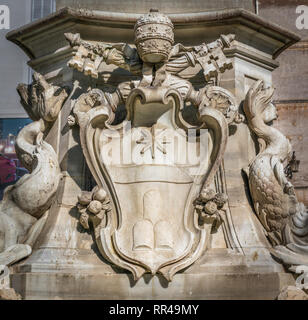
point(93, 121)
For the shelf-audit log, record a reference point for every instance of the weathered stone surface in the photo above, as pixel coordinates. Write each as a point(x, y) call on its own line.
point(9, 294)
point(282, 12)
point(137, 216)
point(218, 275)
point(149, 239)
point(292, 293)
point(14, 253)
point(142, 6)
point(292, 118)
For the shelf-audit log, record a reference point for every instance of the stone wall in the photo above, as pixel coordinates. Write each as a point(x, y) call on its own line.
point(166, 6)
point(290, 81)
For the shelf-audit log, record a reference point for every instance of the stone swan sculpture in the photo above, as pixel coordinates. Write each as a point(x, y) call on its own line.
point(24, 208)
point(284, 219)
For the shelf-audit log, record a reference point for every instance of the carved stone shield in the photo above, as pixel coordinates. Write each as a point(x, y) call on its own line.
point(147, 166)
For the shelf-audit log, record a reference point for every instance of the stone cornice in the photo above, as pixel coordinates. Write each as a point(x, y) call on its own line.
point(278, 37)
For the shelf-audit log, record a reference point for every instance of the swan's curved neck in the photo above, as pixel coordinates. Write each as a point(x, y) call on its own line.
point(276, 143)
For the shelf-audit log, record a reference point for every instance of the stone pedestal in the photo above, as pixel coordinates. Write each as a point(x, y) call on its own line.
point(66, 264)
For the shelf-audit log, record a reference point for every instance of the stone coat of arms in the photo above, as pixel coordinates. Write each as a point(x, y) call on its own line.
point(154, 206)
point(144, 206)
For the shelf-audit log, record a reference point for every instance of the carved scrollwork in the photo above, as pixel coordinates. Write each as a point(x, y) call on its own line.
point(224, 101)
point(155, 60)
point(105, 215)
